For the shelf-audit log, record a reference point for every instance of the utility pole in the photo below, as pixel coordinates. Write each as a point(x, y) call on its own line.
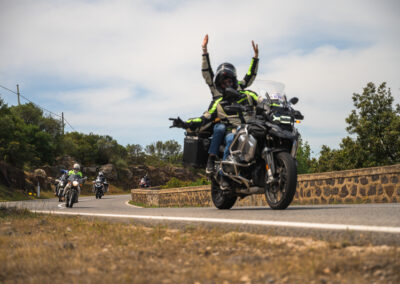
point(19, 102)
point(62, 122)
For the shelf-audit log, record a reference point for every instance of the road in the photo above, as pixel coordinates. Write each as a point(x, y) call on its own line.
point(374, 223)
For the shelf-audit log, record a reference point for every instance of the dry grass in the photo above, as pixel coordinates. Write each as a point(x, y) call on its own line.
point(53, 249)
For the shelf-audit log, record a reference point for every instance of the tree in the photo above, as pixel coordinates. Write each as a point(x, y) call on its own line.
point(166, 151)
point(376, 125)
point(303, 157)
point(135, 153)
point(375, 129)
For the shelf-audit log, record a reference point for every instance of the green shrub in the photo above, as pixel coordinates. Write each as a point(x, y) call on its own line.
point(175, 183)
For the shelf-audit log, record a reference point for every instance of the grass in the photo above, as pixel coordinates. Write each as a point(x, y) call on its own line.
point(12, 194)
point(52, 249)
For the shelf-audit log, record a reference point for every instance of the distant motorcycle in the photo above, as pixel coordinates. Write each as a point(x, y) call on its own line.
point(144, 183)
point(60, 185)
point(71, 194)
point(98, 188)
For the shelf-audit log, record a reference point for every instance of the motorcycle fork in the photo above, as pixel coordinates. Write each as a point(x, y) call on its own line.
point(270, 165)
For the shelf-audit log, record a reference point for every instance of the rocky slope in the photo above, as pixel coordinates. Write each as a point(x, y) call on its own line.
point(127, 178)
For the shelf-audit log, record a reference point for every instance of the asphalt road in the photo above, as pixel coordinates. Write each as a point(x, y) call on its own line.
point(354, 223)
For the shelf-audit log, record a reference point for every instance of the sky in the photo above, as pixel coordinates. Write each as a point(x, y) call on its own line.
point(122, 68)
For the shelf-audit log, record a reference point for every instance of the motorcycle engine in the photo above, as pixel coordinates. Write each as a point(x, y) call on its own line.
point(244, 147)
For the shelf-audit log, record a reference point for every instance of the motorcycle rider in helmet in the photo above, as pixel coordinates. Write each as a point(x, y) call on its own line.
point(76, 170)
point(63, 177)
point(102, 178)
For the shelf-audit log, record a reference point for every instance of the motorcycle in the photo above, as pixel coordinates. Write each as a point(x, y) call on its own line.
point(98, 188)
point(262, 157)
point(60, 185)
point(144, 183)
point(72, 190)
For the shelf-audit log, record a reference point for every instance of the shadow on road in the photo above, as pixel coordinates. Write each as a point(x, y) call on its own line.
point(289, 208)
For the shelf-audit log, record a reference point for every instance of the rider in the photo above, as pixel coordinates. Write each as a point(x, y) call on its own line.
point(225, 77)
point(76, 170)
point(208, 73)
point(103, 180)
point(63, 177)
point(144, 181)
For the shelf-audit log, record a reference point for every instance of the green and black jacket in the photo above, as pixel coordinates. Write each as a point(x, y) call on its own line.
point(217, 110)
point(208, 75)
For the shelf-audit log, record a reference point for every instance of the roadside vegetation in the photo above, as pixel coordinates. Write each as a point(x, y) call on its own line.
point(52, 249)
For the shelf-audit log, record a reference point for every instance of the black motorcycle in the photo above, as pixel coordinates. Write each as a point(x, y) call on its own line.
point(262, 157)
point(71, 194)
point(98, 188)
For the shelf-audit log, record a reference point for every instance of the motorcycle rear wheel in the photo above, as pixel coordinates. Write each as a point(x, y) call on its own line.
point(220, 199)
point(280, 194)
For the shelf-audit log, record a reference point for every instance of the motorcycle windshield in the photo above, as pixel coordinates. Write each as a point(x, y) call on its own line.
point(74, 177)
point(272, 90)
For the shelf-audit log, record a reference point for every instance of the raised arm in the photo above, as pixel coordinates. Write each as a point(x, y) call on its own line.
point(206, 69)
point(252, 72)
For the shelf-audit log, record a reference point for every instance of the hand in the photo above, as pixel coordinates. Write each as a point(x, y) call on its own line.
point(255, 48)
point(204, 44)
point(177, 122)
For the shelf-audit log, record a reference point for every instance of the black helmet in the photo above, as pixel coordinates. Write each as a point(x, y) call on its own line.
point(225, 71)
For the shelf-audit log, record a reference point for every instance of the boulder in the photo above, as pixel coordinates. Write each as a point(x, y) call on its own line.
point(11, 176)
point(110, 172)
point(90, 170)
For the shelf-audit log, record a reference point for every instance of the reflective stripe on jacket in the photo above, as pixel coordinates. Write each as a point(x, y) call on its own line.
point(217, 109)
point(72, 172)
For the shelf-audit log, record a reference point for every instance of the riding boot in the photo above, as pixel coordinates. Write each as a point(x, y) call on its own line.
point(210, 164)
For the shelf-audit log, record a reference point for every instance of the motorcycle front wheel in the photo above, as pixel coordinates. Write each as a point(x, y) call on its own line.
point(60, 196)
point(280, 193)
point(67, 197)
point(71, 199)
point(220, 199)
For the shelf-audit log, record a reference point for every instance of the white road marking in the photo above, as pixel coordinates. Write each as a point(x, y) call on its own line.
point(303, 225)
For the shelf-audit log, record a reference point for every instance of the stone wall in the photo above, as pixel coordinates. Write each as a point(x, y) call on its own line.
point(369, 185)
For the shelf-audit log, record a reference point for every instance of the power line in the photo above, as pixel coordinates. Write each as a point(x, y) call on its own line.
point(8, 89)
point(31, 102)
point(69, 124)
point(42, 108)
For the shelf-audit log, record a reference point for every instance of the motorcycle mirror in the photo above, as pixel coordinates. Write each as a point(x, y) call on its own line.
point(294, 100)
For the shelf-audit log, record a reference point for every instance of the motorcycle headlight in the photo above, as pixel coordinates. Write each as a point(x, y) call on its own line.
point(75, 183)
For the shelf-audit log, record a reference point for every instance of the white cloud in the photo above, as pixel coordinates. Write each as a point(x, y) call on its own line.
point(136, 63)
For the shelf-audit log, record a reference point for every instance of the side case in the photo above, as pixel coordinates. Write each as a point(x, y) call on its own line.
point(195, 151)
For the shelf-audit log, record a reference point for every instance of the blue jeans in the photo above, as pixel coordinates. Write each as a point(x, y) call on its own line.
point(216, 141)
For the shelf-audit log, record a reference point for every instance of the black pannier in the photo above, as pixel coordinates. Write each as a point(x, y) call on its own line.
point(195, 151)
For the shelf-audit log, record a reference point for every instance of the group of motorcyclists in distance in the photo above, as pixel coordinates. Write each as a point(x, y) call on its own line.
point(65, 183)
point(73, 180)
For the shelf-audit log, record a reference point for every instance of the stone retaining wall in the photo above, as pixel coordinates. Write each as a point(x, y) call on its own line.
point(369, 185)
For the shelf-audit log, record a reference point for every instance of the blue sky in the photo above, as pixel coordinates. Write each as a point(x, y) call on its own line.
point(122, 68)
